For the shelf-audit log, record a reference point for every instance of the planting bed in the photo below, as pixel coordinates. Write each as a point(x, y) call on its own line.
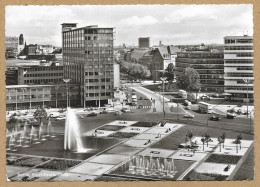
point(27, 161)
point(111, 128)
point(59, 164)
point(225, 159)
point(121, 135)
point(112, 178)
point(144, 124)
point(194, 176)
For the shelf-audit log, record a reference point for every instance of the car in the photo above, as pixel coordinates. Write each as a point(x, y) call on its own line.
point(188, 115)
point(60, 118)
point(92, 114)
point(103, 112)
point(231, 116)
point(141, 98)
point(187, 107)
point(140, 107)
point(214, 118)
point(125, 110)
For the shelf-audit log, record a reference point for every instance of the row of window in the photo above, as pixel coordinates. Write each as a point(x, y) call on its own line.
point(97, 80)
point(98, 87)
point(239, 61)
point(51, 68)
point(98, 73)
point(194, 61)
point(239, 75)
point(242, 54)
point(230, 41)
point(239, 48)
point(43, 74)
point(97, 94)
point(239, 88)
point(43, 81)
point(200, 55)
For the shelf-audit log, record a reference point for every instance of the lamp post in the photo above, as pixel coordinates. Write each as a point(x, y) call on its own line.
point(163, 79)
point(66, 81)
point(246, 81)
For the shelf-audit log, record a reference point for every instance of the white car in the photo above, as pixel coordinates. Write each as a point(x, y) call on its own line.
point(60, 118)
point(188, 115)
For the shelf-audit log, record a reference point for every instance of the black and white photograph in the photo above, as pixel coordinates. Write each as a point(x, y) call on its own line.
point(129, 93)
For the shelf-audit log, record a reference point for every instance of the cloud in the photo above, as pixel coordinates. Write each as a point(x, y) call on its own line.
point(138, 21)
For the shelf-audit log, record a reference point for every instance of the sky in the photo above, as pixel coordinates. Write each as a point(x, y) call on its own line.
point(171, 24)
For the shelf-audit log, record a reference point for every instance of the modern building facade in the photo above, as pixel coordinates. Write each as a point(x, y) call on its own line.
point(209, 65)
point(20, 97)
point(40, 74)
point(11, 44)
point(144, 42)
point(238, 62)
point(88, 61)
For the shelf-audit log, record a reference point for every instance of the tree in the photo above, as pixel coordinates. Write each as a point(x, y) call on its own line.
point(207, 137)
point(40, 113)
point(170, 74)
point(190, 135)
point(189, 80)
point(239, 138)
point(12, 121)
point(220, 140)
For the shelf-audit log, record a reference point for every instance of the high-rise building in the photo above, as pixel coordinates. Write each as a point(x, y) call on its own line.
point(209, 65)
point(144, 42)
point(88, 61)
point(238, 62)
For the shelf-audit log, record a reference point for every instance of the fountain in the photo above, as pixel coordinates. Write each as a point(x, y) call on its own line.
point(72, 136)
point(152, 166)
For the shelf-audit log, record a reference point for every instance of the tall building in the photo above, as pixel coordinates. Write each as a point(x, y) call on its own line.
point(21, 44)
point(144, 42)
point(209, 65)
point(238, 62)
point(11, 44)
point(88, 61)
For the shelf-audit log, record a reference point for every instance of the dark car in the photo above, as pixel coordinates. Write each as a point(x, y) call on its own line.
point(140, 107)
point(140, 98)
point(214, 118)
point(92, 114)
point(231, 116)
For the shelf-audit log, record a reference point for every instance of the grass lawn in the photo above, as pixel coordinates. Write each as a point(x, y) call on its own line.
point(120, 135)
point(225, 159)
point(144, 124)
point(59, 164)
point(194, 176)
point(27, 161)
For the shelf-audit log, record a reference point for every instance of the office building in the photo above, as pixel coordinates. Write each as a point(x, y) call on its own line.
point(20, 97)
point(144, 42)
point(88, 61)
point(11, 44)
point(209, 65)
point(238, 62)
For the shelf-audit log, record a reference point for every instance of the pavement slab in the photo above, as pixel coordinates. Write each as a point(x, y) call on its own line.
point(154, 152)
point(214, 168)
point(99, 133)
point(109, 159)
point(157, 130)
point(189, 155)
point(90, 168)
point(124, 150)
point(122, 123)
point(134, 129)
point(13, 170)
point(144, 136)
point(74, 177)
point(137, 143)
point(231, 150)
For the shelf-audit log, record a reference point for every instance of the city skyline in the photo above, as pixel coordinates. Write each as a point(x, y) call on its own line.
point(189, 24)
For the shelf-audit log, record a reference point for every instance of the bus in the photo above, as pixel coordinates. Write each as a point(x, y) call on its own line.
point(205, 107)
point(182, 94)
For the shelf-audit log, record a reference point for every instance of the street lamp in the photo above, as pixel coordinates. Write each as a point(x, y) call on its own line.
point(66, 81)
point(163, 79)
point(247, 81)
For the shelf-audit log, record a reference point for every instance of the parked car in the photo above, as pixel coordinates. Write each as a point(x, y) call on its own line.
point(140, 107)
point(231, 116)
point(187, 107)
point(125, 110)
point(60, 118)
point(188, 115)
point(103, 112)
point(92, 114)
point(214, 118)
point(141, 98)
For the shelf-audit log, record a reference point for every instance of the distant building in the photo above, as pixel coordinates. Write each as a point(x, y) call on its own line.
point(31, 49)
point(116, 75)
point(88, 60)
point(20, 97)
point(144, 42)
point(21, 44)
point(11, 44)
point(41, 74)
point(239, 66)
point(44, 49)
point(209, 65)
